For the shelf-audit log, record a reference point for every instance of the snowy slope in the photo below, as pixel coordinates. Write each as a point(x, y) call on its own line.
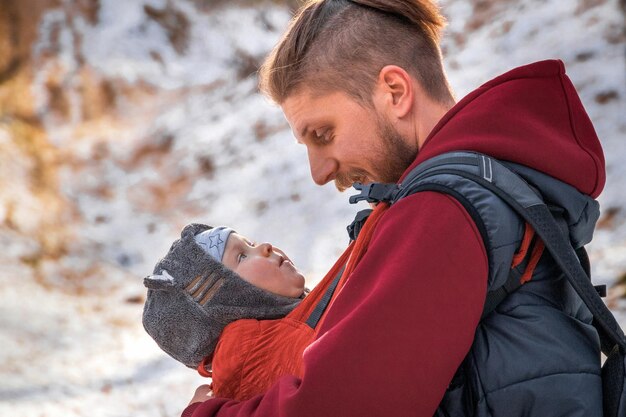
point(189, 139)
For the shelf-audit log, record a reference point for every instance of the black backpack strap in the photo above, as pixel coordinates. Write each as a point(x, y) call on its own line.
point(562, 252)
point(321, 306)
point(613, 383)
point(583, 257)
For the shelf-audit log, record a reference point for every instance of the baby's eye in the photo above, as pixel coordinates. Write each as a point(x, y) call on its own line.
point(241, 257)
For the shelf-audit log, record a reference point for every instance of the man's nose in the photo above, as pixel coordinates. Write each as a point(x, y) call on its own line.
point(323, 169)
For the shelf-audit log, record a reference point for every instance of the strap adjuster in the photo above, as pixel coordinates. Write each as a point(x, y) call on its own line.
point(359, 220)
point(374, 192)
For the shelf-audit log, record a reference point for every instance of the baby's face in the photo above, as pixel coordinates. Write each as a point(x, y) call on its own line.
point(263, 266)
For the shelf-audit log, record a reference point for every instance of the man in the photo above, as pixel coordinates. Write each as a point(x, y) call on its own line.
point(362, 85)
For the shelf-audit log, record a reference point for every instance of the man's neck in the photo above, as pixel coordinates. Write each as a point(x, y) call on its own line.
point(428, 114)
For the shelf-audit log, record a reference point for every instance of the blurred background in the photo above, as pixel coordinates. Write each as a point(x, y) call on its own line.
point(122, 121)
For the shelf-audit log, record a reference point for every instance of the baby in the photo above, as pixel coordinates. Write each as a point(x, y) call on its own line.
point(210, 278)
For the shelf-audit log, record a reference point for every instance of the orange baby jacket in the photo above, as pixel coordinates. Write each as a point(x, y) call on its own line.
point(253, 354)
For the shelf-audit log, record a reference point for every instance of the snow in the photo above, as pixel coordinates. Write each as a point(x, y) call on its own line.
point(71, 342)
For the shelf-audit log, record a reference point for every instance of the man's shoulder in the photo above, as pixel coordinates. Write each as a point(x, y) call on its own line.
point(427, 206)
point(430, 213)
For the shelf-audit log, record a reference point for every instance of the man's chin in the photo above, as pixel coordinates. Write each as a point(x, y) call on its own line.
point(341, 187)
point(344, 183)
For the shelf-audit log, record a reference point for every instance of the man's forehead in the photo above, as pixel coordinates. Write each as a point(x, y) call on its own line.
point(299, 104)
point(298, 108)
point(304, 107)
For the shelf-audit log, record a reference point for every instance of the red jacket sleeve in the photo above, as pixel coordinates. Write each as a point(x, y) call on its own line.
point(400, 327)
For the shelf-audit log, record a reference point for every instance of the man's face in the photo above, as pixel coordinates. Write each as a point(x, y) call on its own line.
point(347, 142)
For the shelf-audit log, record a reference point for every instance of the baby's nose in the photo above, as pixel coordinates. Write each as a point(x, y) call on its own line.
point(266, 249)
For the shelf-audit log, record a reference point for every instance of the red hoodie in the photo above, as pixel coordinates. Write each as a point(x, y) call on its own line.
point(406, 316)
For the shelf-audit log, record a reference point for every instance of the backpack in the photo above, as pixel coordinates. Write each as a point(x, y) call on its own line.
point(509, 183)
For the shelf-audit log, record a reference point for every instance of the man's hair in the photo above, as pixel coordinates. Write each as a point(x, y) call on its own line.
point(341, 45)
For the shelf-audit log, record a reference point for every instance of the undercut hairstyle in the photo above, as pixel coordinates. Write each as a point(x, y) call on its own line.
point(341, 45)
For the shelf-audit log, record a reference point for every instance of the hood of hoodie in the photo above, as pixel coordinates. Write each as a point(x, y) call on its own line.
point(532, 116)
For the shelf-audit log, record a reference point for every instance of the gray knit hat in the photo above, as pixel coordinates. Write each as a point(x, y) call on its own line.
point(192, 297)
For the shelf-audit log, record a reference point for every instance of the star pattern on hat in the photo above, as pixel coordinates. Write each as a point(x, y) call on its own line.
point(216, 241)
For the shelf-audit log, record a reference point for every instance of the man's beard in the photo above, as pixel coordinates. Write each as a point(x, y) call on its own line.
point(395, 157)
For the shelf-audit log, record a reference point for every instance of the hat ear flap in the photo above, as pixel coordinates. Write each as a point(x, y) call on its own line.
point(163, 281)
point(193, 229)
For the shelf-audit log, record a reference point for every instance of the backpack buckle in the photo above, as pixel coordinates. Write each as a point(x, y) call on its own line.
point(374, 192)
point(359, 220)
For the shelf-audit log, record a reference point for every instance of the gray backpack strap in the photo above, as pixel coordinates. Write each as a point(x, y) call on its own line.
point(320, 308)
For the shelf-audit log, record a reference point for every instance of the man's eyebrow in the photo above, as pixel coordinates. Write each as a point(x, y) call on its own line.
point(303, 133)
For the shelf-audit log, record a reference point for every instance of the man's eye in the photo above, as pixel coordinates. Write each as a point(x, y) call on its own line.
point(323, 136)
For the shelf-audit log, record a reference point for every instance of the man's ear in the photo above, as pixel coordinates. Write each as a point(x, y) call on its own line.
point(394, 91)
